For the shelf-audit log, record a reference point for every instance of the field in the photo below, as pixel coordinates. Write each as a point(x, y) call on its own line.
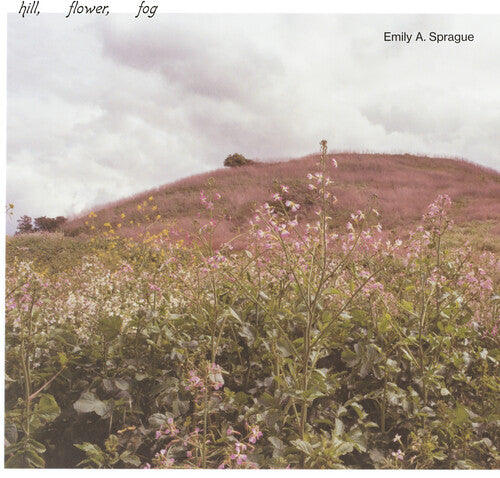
point(344, 323)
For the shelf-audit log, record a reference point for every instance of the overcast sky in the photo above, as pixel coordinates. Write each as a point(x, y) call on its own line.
point(101, 109)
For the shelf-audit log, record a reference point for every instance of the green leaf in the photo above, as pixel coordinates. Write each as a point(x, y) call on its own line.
point(303, 446)
point(339, 428)
point(88, 403)
point(34, 459)
point(235, 315)
point(11, 433)
point(278, 445)
point(359, 410)
point(461, 415)
point(47, 408)
point(122, 384)
point(88, 448)
point(130, 459)
point(157, 420)
point(350, 358)
point(111, 443)
point(62, 358)
point(18, 460)
point(36, 446)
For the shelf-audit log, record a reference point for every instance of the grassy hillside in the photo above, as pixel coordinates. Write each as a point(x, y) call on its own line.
point(399, 186)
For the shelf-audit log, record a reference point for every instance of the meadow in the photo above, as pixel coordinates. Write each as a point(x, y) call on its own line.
point(288, 333)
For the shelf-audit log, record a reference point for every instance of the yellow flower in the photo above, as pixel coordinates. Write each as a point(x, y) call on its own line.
point(139, 207)
point(150, 198)
point(155, 208)
point(118, 226)
point(122, 215)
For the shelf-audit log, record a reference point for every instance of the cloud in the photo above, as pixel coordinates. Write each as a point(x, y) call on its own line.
point(102, 109)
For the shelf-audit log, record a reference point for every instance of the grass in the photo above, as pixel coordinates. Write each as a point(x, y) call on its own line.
point(399, 186)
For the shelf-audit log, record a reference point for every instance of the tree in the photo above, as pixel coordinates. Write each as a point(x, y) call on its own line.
point(235, 160)
point(24, 225)
point(49, 224)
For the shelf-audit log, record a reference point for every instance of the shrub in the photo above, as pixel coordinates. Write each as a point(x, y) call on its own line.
point(235, 160)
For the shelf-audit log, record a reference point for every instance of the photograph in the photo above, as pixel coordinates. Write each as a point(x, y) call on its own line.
point(250, 238)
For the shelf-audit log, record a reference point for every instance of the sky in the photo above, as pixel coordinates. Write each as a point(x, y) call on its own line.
point(99, 109)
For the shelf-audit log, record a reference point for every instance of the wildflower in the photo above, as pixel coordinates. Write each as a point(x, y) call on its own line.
point(171, 428)
point(399, 455)
point(284, 188)
point(276, 197)
point(397, 438)
point(334, 163)
point(255, 434)
point(239, 456)
point(293, 206)
point(195, 381)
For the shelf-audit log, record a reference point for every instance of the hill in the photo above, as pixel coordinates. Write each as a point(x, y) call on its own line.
point(399, 186)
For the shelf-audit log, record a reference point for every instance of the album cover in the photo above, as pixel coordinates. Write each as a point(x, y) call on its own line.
point(251, 238)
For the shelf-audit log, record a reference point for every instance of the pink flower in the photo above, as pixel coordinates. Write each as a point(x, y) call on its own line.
point(396, 438)
point(255, 434)
point(294, 207)
point(399, 455)
point(238, 455)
